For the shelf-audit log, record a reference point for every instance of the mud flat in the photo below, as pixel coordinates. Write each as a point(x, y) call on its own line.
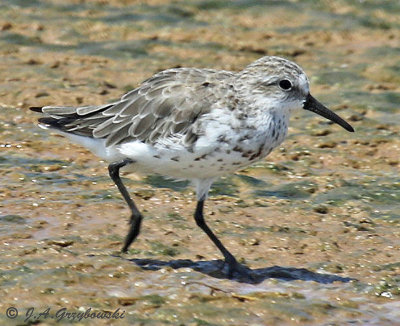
point(318, 220)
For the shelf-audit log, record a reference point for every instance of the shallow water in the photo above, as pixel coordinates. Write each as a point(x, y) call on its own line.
point(317, 221)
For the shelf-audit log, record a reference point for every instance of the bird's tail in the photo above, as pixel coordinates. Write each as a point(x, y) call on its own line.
point(73, 120)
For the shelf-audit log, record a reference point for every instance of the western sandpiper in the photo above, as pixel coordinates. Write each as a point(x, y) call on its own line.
point(195, 124)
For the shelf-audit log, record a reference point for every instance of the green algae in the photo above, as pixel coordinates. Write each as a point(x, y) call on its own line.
point(297, 190)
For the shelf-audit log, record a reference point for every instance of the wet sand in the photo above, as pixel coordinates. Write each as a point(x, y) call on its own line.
point(317, 220)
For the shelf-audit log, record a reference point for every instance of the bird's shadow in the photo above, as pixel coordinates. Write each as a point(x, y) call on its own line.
point(215, 268)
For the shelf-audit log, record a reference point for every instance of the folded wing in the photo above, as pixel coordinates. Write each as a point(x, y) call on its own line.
point(167, 104)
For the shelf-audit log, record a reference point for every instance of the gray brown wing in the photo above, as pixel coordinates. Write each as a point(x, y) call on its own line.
point(164, 105)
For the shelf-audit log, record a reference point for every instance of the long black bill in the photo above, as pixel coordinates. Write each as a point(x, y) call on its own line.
point(311, 104)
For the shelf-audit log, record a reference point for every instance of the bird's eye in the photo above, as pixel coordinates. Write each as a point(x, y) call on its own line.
point(285, 84)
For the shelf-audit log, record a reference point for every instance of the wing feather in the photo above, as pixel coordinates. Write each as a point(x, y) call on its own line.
point(117, 136)
point(167, 104)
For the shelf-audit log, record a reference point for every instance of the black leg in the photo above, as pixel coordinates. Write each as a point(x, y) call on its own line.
point(233, 265)
point(136, 217)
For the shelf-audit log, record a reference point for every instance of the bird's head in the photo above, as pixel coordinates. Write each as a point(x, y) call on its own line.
point(281, 84)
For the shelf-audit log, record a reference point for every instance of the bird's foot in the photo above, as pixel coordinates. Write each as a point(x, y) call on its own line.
point(237, 270)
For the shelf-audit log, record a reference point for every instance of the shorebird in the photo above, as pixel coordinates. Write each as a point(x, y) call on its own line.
point(194, 124)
